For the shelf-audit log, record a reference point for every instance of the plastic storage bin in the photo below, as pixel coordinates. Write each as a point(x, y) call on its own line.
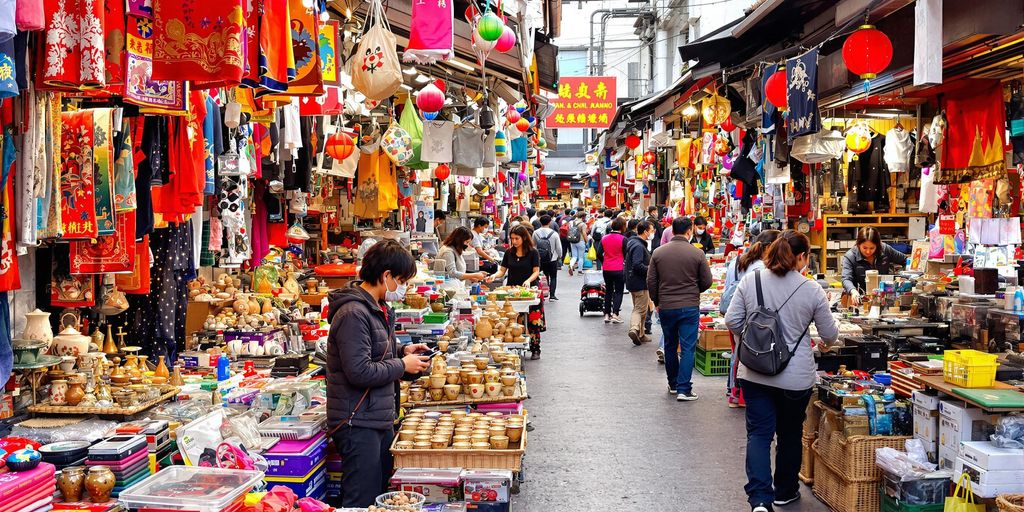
point(969, 368)
point(292, 428)
point(190, 488)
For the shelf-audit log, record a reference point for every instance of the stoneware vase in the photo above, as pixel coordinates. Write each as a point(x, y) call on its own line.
point(71, 481)
point(99, 483)
point(37, 327)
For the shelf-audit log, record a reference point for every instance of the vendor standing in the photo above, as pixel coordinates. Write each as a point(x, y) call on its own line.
point(521, 263)
point(364, 364)
point(869, 254)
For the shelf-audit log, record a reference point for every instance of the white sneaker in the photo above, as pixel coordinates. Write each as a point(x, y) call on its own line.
point(607, 318)
point(616, 319)
point(686, 397)
point(672, 391)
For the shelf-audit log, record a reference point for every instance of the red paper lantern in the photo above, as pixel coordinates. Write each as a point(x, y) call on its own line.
point(513, 116)
point(867, 52)
point(430, 98)
point(632, 141)
point(775, 89)
point(442, 171)
point(522, 124)
point(339, 146)
point(728, 125)
point(650, 158)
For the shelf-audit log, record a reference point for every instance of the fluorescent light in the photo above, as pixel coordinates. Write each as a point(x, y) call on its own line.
point(409, 71)
point(406, 87)
point(459, 64)
point(422, 79)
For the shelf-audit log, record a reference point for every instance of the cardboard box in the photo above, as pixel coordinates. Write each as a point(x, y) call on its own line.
point(711, 339)
point(947, 457)
point(989, 484)
point(487, 486)
point(959, 422)
point(986, 455)
point(928, 400)
point(926, 424)
point(437, 485)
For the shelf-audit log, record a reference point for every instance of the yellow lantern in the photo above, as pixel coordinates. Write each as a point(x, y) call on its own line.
point(716, 109)
point(858, 138)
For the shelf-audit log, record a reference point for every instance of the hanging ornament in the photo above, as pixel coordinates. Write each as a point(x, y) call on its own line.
point(541, 143)
point(442, 171)
point(858, 138)
point(650, 158)
point(722, 145)
point(512, 116)
point(775, 89)
point(716, 109)
point(523, 176)
point(482, 46)
point(507, 41)
point(727, 161)
point(339, 146)
point(472, 13)
point(632, 141)
point(430, 101)
point(521, 106)
point(522, 124)
point(728, 125)
point(867, 52)
point(490, 27)
point(532, 120)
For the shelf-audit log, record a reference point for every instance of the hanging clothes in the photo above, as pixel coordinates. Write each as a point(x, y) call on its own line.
point(973, 147)
point(198, 41)
point(431, 32)
point(124, 169)
point(802, 95)
point(277, 55)
point(114, 41)
point(377, 186)
point(305, 33)
point(899, 146)
point(49, 161)
point(75, 54)
point(870, 175)
point(10, 278)
point(113, 253)
point(161, 313)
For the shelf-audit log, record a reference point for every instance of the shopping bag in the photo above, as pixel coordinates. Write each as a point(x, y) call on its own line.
point(964, 502)
point(410, 122)
point(591, 253)
point(397, 143)
point(567, 259)
point(376, 71)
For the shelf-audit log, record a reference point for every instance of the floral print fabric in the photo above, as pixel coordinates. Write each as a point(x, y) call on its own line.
point(199, 41)
point(77, 190)
point(154, 96)
point(75, 52)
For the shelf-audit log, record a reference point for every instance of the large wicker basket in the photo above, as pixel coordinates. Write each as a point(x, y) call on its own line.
point(1010, 502)
point(510, 459)
point(843, 495)
point(806, 473)
point(854, 456)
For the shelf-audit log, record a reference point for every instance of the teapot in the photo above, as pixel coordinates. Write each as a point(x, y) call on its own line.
point(70, 342)
point(37, 327)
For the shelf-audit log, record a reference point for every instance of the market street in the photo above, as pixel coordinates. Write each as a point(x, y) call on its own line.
point(608, 437)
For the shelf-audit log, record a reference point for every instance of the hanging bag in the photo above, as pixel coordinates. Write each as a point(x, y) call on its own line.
point(397, 144)
point(964, 502)
point(376, 71)
point(763, 348)
point(437, 142)
point(410, 122)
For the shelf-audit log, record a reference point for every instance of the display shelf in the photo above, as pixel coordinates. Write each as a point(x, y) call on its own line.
point(892, 225)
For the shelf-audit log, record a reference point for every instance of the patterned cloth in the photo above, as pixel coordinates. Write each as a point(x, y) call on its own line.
point(77, 190)
point(277, 54)
point(199, 41)
point(75, 56)
point(103, 170)
point(802, 95)
point(305, 31)
point(153, 96)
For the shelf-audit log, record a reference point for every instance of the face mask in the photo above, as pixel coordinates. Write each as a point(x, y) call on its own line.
point(397, 295)
point(700, 231)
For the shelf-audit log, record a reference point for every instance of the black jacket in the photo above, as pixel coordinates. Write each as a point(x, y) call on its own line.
point(638, 258)
point(707, 243)
point(363, 357)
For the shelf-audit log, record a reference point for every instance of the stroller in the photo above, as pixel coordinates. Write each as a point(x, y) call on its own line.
point(592, 293)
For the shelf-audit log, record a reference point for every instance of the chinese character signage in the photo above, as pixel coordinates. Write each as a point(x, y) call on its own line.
point(583, 102)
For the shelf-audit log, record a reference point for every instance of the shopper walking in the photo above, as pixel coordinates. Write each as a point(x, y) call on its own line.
point(549, 247)
point(749, 261)
point(599, 228)
point(776, 404)
point(364, 364)
point(578, 239)
point(521, 263)
point(638, 257)
point(611, 253)
point(677, 275)
point(701, 238)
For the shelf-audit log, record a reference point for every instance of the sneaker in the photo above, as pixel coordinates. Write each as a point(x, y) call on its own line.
point(686, 397)
point(761, 507)
point(553, 299)
point(646, 339)
point(785, 501)
point(661, 355)
point(607, 318)
point(616, 319)
point(672, 391)
point(535, 355)
point(635, 336)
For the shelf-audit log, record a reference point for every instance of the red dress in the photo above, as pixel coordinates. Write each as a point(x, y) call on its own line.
point(199, 41)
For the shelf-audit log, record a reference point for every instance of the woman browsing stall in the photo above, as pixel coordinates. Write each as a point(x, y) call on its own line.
point(521, 265)
point(460, 240)
point(870, 253)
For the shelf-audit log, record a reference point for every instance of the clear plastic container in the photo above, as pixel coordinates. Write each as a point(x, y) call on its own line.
point(292, 428)
point(195, 489)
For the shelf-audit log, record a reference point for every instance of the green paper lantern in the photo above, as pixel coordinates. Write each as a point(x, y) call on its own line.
point(490, 27)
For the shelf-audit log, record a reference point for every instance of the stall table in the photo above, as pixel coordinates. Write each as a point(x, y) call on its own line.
point(937, 383)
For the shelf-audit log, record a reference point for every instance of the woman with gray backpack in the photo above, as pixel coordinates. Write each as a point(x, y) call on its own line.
point(770, 314)
point(748, 261)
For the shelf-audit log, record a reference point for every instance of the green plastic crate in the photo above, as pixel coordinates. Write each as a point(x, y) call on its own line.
point(889, 504)
point(435, 318)
point(711, 363)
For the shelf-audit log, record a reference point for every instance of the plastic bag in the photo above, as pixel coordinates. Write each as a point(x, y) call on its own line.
point(1009, 432)
point(410, 122)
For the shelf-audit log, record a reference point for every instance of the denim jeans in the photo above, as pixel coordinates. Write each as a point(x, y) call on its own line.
point(615, 285)
point(773, 413)
point(680, 329)
point(579, 255)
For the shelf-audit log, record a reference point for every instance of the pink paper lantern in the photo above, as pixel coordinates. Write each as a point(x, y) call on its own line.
point(430, 99)
point(507, 41)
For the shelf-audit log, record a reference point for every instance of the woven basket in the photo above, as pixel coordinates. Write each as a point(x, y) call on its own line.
point(812, 420)
point(806, 473)
point(843, 495)
point(854, 457)
point(1010, 502)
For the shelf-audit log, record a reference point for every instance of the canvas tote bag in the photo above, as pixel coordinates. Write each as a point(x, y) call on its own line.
point(376, 71)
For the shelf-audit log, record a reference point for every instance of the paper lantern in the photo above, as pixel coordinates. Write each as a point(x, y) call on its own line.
point(442, 171)
point(521, 106)
point(541, 143)
point(716, 109)
point(650, 158)
point(430, 100)
point(490, 27)
point(867, 52)
point(728, 125)
point(512, 116)
point(507, 41)
point(775, 89)
point(482, 45)
point(858, 138)
point(632, 141)
point(339, 146)
point(522, 124)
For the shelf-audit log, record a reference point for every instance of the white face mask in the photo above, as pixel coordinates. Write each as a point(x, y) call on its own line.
point(700, 231)
point(397, 295)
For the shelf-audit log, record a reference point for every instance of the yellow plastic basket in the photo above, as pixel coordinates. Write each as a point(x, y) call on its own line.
point(969, 368)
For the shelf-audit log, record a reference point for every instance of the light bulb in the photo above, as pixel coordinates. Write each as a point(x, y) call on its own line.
point(325, 17)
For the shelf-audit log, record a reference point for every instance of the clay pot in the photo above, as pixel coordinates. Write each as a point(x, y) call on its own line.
point(37, 327)
point(491, 375)
point(75, 393)
point(508, 380)
point(499, 442)
point(436, 394)
point(476, 390)
point(493, 389)
point(442, 345)
point(437, 381)
point(514, 431)
point(161, 369)
point(99, 483)
point(452, 377)
point(70, 342)
point(58, 392)
point(451, 391)
point(474, 378)
point(417, 394)
point(71, 482)
point(484, 328)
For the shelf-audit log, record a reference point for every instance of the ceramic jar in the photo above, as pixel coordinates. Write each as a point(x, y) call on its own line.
point(76, 389)
point(483, 328)
point(71, 481)
point(37, 327)
point(70, 342)
point(58, 392)
point(99, 483)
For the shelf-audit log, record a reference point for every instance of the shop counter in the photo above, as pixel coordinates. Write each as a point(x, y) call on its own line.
point(937, 383)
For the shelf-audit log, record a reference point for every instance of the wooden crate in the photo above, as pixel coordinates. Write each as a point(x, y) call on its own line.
point(853, 458)
point(711, 339)
point(843, 495)
point(806, 473)
point(510, 459)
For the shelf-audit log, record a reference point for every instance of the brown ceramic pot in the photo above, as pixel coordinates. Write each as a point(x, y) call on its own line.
point(70, 482)
point(99, 483)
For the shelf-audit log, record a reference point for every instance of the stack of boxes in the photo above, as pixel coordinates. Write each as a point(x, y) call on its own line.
point(926, 422)
point(488, 490)
point(299, 465)
point(959, 422)
point(158, 439)
point(992, 470)
point(126, 456)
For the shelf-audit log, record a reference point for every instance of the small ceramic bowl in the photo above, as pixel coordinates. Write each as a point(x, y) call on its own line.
point(24, 459)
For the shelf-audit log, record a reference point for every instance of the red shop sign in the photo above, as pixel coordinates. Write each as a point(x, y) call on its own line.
point(583, 102)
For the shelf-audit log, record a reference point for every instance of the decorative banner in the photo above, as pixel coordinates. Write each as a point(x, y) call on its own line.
point(583, 102)
point(77, 191)
point(103, 165)
point(328, 103)
point(802, 90)
point(329, 52)
point(114, 253)
point(154, 96)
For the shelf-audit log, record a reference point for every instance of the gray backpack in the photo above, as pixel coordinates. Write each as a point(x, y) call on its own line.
point(763, 348)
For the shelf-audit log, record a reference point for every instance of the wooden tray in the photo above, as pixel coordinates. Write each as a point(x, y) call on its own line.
point(463, 399)
point(510, 459)
point(43, 408)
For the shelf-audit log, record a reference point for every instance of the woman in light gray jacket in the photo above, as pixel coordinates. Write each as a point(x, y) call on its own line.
point(776, 404)
point(460, 239)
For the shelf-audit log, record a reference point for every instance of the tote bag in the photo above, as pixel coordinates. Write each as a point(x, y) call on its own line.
point(437, 142)
point(397, 143)
point(468, 146)
point(410, 122)
point(376, 71)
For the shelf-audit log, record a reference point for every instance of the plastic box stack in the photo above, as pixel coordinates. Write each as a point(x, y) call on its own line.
point(126, 456)
point(298, 460)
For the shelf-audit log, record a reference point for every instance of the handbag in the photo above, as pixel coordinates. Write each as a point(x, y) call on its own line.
point(376, 71)
point(397, 143)
point(437, 142)
point(818, 147)
point(964, 503)
point(468, 146)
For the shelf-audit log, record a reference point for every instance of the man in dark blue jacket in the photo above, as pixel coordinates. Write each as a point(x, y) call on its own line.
point(638, 257)
point(364, 364)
